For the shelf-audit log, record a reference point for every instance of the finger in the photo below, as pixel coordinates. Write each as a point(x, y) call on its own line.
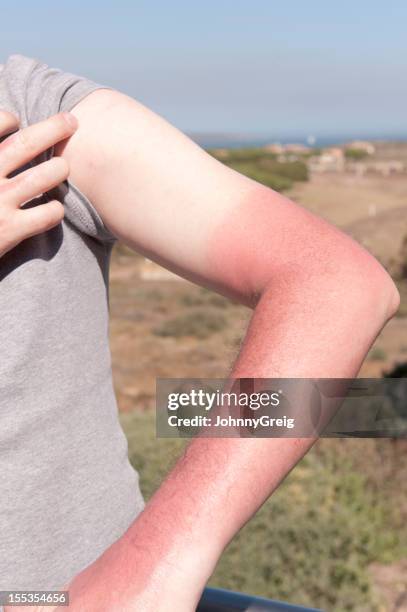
point(35, 181)
point(27, 143)
point(39, 219)
point(8, 123)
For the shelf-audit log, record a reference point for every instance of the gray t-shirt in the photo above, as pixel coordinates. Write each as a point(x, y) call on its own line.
point(67, 489)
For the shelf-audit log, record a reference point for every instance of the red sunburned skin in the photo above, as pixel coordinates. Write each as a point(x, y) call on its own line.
point(312, 280)
point(267, 235)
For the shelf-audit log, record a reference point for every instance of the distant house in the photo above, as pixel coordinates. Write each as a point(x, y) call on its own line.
point(330, 160)
point(275, 147)
point(296, 148)
point(280, 149)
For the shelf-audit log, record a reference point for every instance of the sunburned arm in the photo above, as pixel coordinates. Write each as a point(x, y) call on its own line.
point(319, 302)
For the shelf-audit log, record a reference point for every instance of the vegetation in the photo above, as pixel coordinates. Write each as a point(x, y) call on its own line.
point(398, 270)
point(246, 154)
point(402, 287)
point(377, 354)
point(204, 297)
point(313, 541)
point(199, 323)
point(264, 167)
point(356, 154)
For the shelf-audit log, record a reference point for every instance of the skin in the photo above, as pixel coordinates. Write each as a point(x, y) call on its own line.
point(319, 301)
point(16, 149)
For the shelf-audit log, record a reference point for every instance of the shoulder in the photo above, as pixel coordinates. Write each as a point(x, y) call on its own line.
point(15, 73)
point(41, 89)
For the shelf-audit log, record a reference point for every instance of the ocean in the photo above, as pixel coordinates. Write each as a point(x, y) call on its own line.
point(235, 141)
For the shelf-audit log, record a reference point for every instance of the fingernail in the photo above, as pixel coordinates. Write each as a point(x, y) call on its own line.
point(71, 120)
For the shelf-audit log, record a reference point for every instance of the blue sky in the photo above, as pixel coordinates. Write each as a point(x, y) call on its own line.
point(259, 66)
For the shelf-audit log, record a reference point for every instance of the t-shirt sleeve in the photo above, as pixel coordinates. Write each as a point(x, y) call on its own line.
point(45, 91)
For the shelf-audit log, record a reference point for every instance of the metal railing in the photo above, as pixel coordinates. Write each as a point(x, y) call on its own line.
point(222, 600)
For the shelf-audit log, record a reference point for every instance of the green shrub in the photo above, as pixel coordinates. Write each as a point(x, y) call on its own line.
point(356, 154)
point(192, 299)
point(377, 354)
point(295, 170)
point(255, 172)
point(204, 297)
point(277, 175)
point(199, 323)
point(246, 154)
point(263, 166)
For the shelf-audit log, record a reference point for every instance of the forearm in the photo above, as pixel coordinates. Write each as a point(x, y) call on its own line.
point(301, 329)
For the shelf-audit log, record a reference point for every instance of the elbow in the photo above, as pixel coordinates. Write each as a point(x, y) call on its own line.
point(345, 278)
point(384, 291)
point(368, 283)
point(272, 246)
point(392, 297)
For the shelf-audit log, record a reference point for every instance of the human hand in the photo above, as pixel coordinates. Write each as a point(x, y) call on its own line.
point(117, 582)
point(16, 149)
point(95, 597)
